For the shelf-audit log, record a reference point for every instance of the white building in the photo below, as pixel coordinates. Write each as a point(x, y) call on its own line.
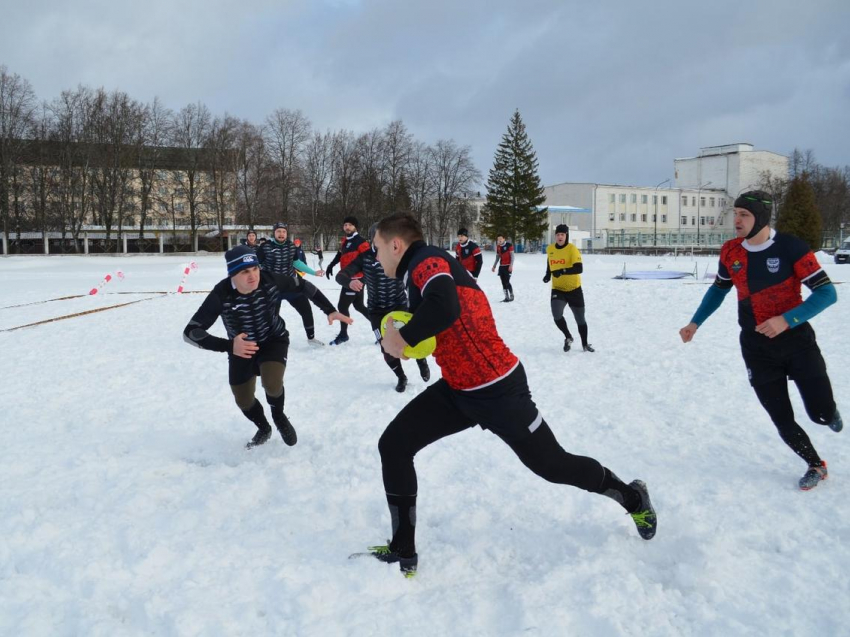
point(695, 211)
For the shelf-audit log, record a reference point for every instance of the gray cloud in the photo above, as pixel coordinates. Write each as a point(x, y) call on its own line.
point(610, 91)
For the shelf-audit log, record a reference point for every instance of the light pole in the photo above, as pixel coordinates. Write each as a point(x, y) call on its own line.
point(699, 202)
point(655, 216)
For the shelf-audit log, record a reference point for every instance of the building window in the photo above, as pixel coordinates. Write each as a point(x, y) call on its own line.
point(711, 202)
point(653, 218)
point(693, 201)
point(643, 218)
point(664, 200)
point(702, 221)
point(634, 217)
point(634, 198)
point(720, 221)
point(612, 198)
point(643, 198)
point(663, 218)
point(722, 203)
point(623, 198)
point(654, 199)
point(702, 201)
point(684, 221)
point(693, 221)
point(684, 201)
point(711, 221)
point(622, 216)
point(611, 216)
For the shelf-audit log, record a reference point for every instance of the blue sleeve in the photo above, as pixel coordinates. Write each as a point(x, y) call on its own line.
point(710, 302)
point(820, 299)
point(303, 267)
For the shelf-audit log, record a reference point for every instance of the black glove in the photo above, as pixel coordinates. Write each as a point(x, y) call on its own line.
point(557, 273)
point(547, 278)
point(329, 271)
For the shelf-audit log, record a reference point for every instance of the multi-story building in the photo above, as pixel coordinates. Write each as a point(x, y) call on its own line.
point(695, 211)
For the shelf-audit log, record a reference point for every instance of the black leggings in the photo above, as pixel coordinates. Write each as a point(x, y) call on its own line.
point(302, 306)
point(375, 320)
point(820, 406)
point(440, 411)
point(347, 298)
point(505, 276)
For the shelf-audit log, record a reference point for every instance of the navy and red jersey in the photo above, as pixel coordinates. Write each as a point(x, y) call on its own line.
point(469, 255)
point(768, 276)
point(446, 302)
point(349, 249)
point(504, 253)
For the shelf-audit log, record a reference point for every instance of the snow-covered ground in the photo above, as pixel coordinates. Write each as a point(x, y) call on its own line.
point(129, 505)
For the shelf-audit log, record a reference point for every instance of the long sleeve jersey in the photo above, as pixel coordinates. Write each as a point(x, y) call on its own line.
point(255, 314)
point(384, 293)
point(446, 302)
point(349, 248)
point(470, 257)
point(278, 258)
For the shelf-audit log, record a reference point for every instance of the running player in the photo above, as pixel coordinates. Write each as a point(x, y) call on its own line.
point(777, 341)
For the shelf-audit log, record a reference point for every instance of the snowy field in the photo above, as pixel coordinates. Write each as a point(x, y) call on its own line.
point(129, 505)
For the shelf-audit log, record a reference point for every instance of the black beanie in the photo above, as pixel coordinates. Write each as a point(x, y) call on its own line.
point(352, 221)
point(239, 258)
point(760, 204)
point(463, 231)
point(279, 224)
point(562, 227)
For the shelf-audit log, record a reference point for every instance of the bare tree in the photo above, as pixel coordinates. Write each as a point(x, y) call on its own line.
point(40, 172)
point(397, 147)
point(419, 180)
point(190, 129)
point(287, 132)
point(318, 160)
point(221, 143)
point(253, 172)
point(72, 113)
point(371, 161)
point(453, 178)
point(17, 106)
point(151, 136)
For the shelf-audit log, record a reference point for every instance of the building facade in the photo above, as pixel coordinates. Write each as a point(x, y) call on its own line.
point(694, 211)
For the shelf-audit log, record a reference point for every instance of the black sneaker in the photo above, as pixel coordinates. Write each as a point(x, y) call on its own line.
point(424, 370)
point(588, 348)
point(568, 343)
point(644, 518)
point(837, 424)
point(264, 432)
point(287, 431)
point(384, 553)
point(340, 339)
point(401, 385)
point(814, 475)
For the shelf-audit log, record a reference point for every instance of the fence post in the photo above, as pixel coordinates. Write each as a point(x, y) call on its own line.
point(161, 243)
point(46, 244)
point(5, 246)
point(124, 237)
point(85, 243)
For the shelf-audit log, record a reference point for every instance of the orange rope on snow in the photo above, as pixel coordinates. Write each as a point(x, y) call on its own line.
point(67, 316)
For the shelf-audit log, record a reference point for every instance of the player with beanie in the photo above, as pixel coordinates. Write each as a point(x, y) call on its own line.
point(351, 246)
point(564, 268)
point(768, 269)
point(257, 340)
point(468, 253)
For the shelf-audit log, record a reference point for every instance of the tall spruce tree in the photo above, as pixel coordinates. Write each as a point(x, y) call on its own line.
point(799, 214)
point(514, 190)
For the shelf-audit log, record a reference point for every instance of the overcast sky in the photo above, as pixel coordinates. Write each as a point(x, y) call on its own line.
point(610, 92)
